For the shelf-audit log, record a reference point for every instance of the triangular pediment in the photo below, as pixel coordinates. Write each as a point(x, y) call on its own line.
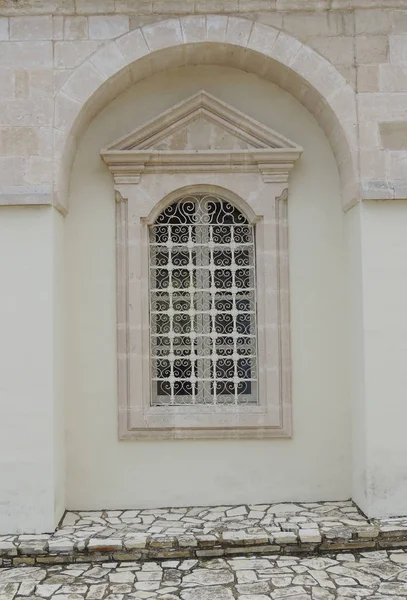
point(202, 122)
point(201, 134)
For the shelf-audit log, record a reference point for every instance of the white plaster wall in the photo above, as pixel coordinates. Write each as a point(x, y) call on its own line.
point(103, 472)
point(384, 255)
point(355, 359)
point(58, 324)
point(31, 437)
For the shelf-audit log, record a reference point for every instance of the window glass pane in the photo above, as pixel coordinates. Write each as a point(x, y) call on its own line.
point(203, 304)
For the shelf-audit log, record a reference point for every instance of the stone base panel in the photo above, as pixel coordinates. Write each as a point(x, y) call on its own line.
point(199, 532)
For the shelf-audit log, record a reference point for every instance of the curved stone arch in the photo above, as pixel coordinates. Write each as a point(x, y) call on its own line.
point(211, 39)
point(209, 189)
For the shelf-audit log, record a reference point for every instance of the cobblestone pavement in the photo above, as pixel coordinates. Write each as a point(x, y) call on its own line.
point(211, 531)
point(376, 575)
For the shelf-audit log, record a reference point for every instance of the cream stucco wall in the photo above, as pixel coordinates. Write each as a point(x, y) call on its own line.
point(355, 370)
point(384, 256)
point(376, 300)
point(104, 472)
point(31, 432)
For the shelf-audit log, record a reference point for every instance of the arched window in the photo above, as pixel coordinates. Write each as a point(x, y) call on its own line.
point(203, 295)
point(203, 334)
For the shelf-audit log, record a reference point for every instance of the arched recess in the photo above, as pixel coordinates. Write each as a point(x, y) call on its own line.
point(211, 39)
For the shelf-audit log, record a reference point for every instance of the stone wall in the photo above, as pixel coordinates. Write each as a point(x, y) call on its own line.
point(43, 42)
point(63, 61)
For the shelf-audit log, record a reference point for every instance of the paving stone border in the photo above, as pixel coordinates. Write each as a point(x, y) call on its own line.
point(203, 532)
point(374, 575)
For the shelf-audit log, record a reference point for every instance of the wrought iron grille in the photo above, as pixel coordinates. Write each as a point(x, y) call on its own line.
point(203, 304)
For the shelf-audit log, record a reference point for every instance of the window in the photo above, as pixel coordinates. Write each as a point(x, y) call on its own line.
point(203, 319)
point(202, 304)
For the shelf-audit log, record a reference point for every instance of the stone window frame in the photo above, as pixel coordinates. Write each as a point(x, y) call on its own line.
point(147, 182)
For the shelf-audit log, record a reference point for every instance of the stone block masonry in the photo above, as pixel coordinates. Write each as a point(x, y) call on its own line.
point(42, 44)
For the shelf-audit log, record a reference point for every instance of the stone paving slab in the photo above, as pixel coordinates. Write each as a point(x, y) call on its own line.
point(200, 532)
point(377, 575)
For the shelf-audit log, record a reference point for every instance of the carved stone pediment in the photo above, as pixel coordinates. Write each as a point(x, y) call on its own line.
point(201, 134)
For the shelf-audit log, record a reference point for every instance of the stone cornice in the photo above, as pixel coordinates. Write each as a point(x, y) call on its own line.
point(9, 8)
point(325, 5)
point(274, 165)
